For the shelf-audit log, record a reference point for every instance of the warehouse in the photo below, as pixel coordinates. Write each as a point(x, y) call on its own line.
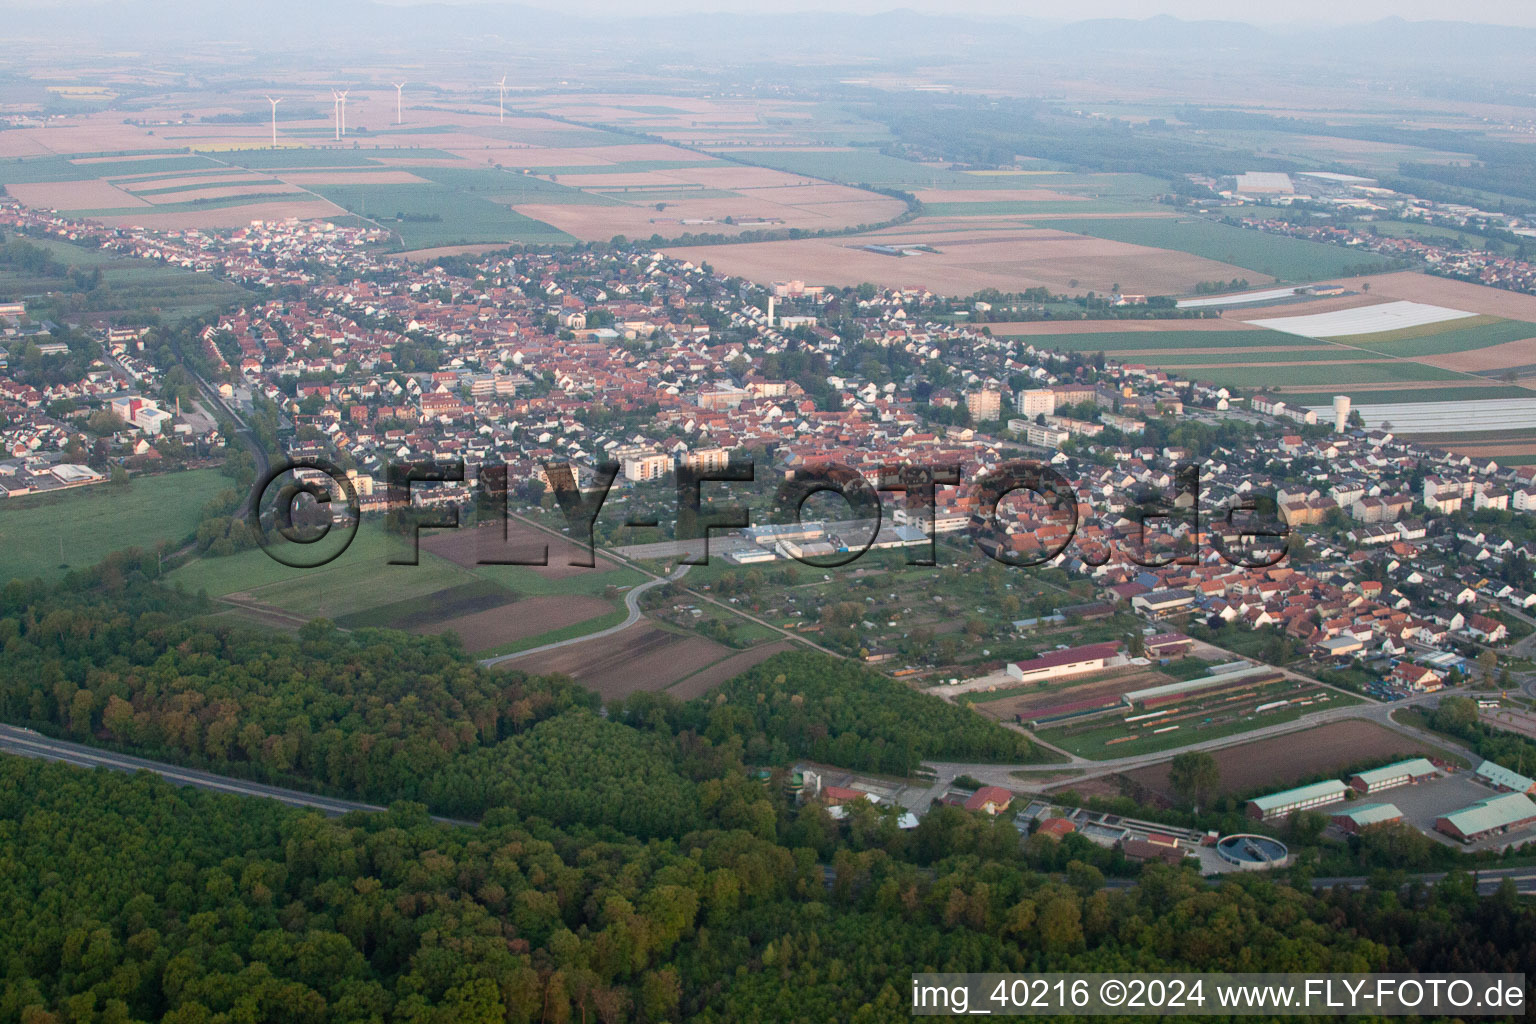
point(1502, 779)
point(1493, 816)
point(1302, 798)
point(1071, 662)
point(1402, 773)
point(1361, 816)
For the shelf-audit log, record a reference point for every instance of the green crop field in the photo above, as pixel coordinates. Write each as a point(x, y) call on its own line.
point(1300, 355)
point(310, 157)
point(620, 167)
point(523, 188)
point(1027, 208)
point(1288, 259)
point(459, 216)
point(57, 168)
point(1388, 396)
point(1479, 332)
point(191, 206)
point(92, 522)
point(134, 284)
point(1338, 374)
point(859, 166)
point(172, 189)
point(1116, 341)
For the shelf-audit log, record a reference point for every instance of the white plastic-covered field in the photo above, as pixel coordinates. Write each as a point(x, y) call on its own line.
point(1341, 323)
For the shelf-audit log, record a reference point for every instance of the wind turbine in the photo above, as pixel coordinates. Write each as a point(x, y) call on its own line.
point(336, 110)
point(274, 103)
point(501, 103)
point(344, 110)
point(398, 118)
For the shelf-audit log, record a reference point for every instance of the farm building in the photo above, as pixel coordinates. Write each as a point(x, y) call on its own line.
point(1402, 773)
point(1492, 816)
point(1362, 816)
point(1502, 779)
point(1070, 662)
point(1167, 645)
point(1156, 696)
point(1302, 798)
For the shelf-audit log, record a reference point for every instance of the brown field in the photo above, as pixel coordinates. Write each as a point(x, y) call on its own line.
point(74, 195)
point(701, 683)
point(1406, 385)
point(518, 620)
point(1511, 354)
point(1491, 450)
point(1022, 259)
point(642, 657)
point(467, 547)
point(1152, 355)
point(1281, 760)
point(1442, 291)
point(1028, 327)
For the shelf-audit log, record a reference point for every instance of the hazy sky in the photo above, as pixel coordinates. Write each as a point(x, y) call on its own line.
point(1267, 12)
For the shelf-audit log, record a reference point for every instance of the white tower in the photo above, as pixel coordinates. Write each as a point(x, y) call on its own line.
point(399, 118)
point(770, 311)
point(1340, 413)
point(274, 103)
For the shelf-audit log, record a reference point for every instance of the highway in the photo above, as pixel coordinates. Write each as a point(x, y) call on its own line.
point(27, 743)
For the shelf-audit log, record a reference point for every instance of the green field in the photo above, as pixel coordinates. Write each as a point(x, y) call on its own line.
point(92, 522)
point(620, 167)
point(309, 157)
point(1307, 354)
point(1026, 208)
point(523, 188)
point(1337, 374)
point(639, 196)
point(134, 284)
point(1388, 396)
point(859, 166)
point(191, 206)
point(57, 168)
point(1287, 259)
point(1116, 341)
point(1480, 332)
point(173, 189)
point(461, 217)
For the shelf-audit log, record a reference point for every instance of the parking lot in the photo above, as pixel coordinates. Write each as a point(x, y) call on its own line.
point(1423, 803)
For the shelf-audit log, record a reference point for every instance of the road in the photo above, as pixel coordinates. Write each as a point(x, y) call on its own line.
point(1488, 880)
point(631, 602)
point(27, 743)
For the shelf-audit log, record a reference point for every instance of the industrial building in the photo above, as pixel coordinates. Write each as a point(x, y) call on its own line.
point(1302, 798)
point(1071, 662)
point(1502, 779)
point(1493, 816)
point(1402, 773)
point(1360, 816)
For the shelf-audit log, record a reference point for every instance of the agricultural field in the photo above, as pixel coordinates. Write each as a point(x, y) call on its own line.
point(1276, 762)
point(1284, 259)
point(493, 608)
point(649, 657)
point(46, 535)
point(130, 285)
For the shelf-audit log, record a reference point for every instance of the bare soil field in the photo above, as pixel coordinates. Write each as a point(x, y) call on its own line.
point(1442, 291)
point(1511, 354)
point(1026, 259)
point(642, 657)
point(701, 683)
point(518, 620)
point(74, 195)
point(466, 547)
point(1281, 760)
point(1028, 327)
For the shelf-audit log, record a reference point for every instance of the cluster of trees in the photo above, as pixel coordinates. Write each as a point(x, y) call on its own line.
point(1457, 716)
point(807, 705)
point(124, 899)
